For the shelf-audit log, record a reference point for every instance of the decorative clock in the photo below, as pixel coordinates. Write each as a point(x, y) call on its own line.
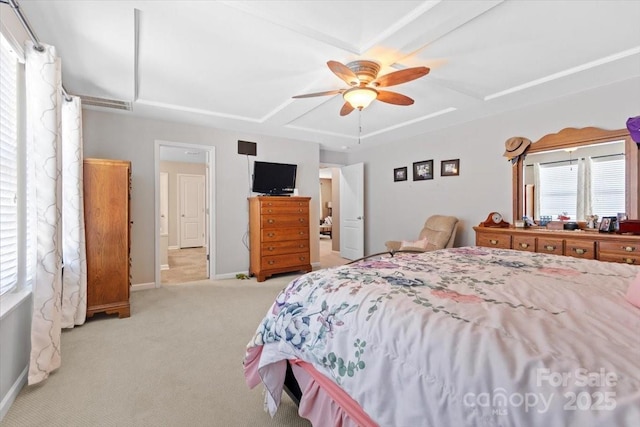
point(494, 220)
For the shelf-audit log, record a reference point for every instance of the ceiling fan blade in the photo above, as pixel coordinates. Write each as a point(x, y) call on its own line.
point(394, 98)
point(328, 92)
point(401, 76)
point(343, 72)
point(346, 109)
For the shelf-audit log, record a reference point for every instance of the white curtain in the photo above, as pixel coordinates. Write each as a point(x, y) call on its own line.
point(584, 207)
point(74, 279)
point(44, 129)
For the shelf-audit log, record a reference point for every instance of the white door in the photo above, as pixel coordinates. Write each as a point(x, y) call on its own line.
point(191, 194)
point(164, 203)
point(352, 211)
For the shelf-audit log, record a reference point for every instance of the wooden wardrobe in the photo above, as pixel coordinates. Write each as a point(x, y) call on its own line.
point(107, 230)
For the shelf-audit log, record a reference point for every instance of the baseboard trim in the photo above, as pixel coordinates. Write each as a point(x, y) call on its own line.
point(13, 392)
point(315, 265)
point(164, 267)
point(143, 286)
point(173, 247)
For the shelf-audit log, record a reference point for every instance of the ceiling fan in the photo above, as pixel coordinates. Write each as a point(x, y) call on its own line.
point(363, 78)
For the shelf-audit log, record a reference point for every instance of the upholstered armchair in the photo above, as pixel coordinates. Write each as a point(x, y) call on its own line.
point(439, 232)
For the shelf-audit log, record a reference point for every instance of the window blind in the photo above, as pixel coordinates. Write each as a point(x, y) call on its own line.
point(558, 183)
point(8, 170)
point(607, 185)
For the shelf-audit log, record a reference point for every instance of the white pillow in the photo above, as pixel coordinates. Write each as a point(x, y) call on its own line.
point(416, 244)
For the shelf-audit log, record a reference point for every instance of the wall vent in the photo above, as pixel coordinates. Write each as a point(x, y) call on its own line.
point(105, 103)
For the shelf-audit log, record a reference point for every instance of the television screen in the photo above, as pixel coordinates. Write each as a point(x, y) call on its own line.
point(273, 178)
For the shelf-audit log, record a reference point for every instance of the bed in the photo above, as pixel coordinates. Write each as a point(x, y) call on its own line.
point(457, 337)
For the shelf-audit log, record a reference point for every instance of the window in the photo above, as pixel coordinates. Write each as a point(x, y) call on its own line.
point(559, 183)
point(16, 227)
point(607, 185)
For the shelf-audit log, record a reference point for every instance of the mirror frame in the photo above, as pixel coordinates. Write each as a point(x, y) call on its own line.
point(572, 137)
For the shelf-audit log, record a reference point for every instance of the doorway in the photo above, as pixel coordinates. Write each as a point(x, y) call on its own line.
point(184, 212)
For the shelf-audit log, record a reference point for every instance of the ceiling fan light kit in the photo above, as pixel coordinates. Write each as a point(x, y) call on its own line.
point(362, 76)
point(360, 97)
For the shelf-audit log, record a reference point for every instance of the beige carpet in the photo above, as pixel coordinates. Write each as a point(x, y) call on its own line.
point(177, 361)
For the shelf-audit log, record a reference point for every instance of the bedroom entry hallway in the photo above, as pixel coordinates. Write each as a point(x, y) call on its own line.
point(184, 212)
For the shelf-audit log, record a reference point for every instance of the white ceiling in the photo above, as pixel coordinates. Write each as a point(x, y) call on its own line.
point(236, 64)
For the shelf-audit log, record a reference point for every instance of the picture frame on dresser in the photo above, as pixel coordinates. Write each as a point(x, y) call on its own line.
point(607, 224)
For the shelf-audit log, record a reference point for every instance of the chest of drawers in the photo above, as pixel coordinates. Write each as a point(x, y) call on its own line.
point(278, 235)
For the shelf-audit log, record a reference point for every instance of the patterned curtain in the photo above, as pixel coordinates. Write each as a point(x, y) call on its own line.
point(44, 130)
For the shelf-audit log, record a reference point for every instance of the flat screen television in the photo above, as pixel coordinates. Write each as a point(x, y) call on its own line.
point(273, 178)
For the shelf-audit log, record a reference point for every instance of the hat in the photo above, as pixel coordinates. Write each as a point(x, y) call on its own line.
point(633, 124)
point(516, 146)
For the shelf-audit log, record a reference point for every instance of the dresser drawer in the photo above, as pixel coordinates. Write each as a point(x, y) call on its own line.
point(580, 249)
point(279, 221)
point(633, 259)
point(280, 234)
point(524, 243)
point(280, 261)
point(290, 203)
point(550, 246)
point(285, 247)
point(270, 210)
point(491, 240)
point(620, 247)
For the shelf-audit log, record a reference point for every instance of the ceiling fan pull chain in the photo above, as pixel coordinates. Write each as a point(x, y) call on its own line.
point(359, 125)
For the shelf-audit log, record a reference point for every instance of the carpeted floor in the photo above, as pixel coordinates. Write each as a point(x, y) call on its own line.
point(177, 361)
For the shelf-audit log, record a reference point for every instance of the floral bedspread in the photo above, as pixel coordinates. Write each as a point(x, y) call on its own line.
point(466, 336)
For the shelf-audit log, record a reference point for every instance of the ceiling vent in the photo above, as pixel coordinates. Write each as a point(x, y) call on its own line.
point(105, 103)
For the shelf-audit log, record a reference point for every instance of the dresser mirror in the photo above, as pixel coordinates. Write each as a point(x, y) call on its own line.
point(587, 156)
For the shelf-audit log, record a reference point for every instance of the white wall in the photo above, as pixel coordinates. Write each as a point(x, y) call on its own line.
point(121, 136)
point(397, 210)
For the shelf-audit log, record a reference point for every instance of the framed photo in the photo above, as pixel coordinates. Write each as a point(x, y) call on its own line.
point(400, 174)
point(607, 224)
point(423, 170)
point(450, 167)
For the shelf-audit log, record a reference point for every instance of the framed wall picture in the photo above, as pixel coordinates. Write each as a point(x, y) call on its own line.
point(423, 170)
point(400, 174)
point(450, 167)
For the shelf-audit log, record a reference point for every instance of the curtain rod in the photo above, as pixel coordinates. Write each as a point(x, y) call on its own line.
point(32, 35)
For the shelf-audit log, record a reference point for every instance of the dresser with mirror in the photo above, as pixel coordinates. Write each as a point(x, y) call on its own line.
point(572, 146)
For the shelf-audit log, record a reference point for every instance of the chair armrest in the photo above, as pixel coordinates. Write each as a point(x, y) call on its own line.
point(393, 245)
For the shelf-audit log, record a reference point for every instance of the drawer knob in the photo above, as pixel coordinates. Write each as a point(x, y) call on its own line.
point(271, 221)
point(493, 242)
point(550, 248)
point(271, 262)
point(270, 210)
point(271, 234)
point(302, 258)
point(302, 246)
point(301, 220)
point(270, 248)
point(630, 260)
point(302, 233)
point(300, 210)
point(580, 251)
point(524, 245)
point(629, 248)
